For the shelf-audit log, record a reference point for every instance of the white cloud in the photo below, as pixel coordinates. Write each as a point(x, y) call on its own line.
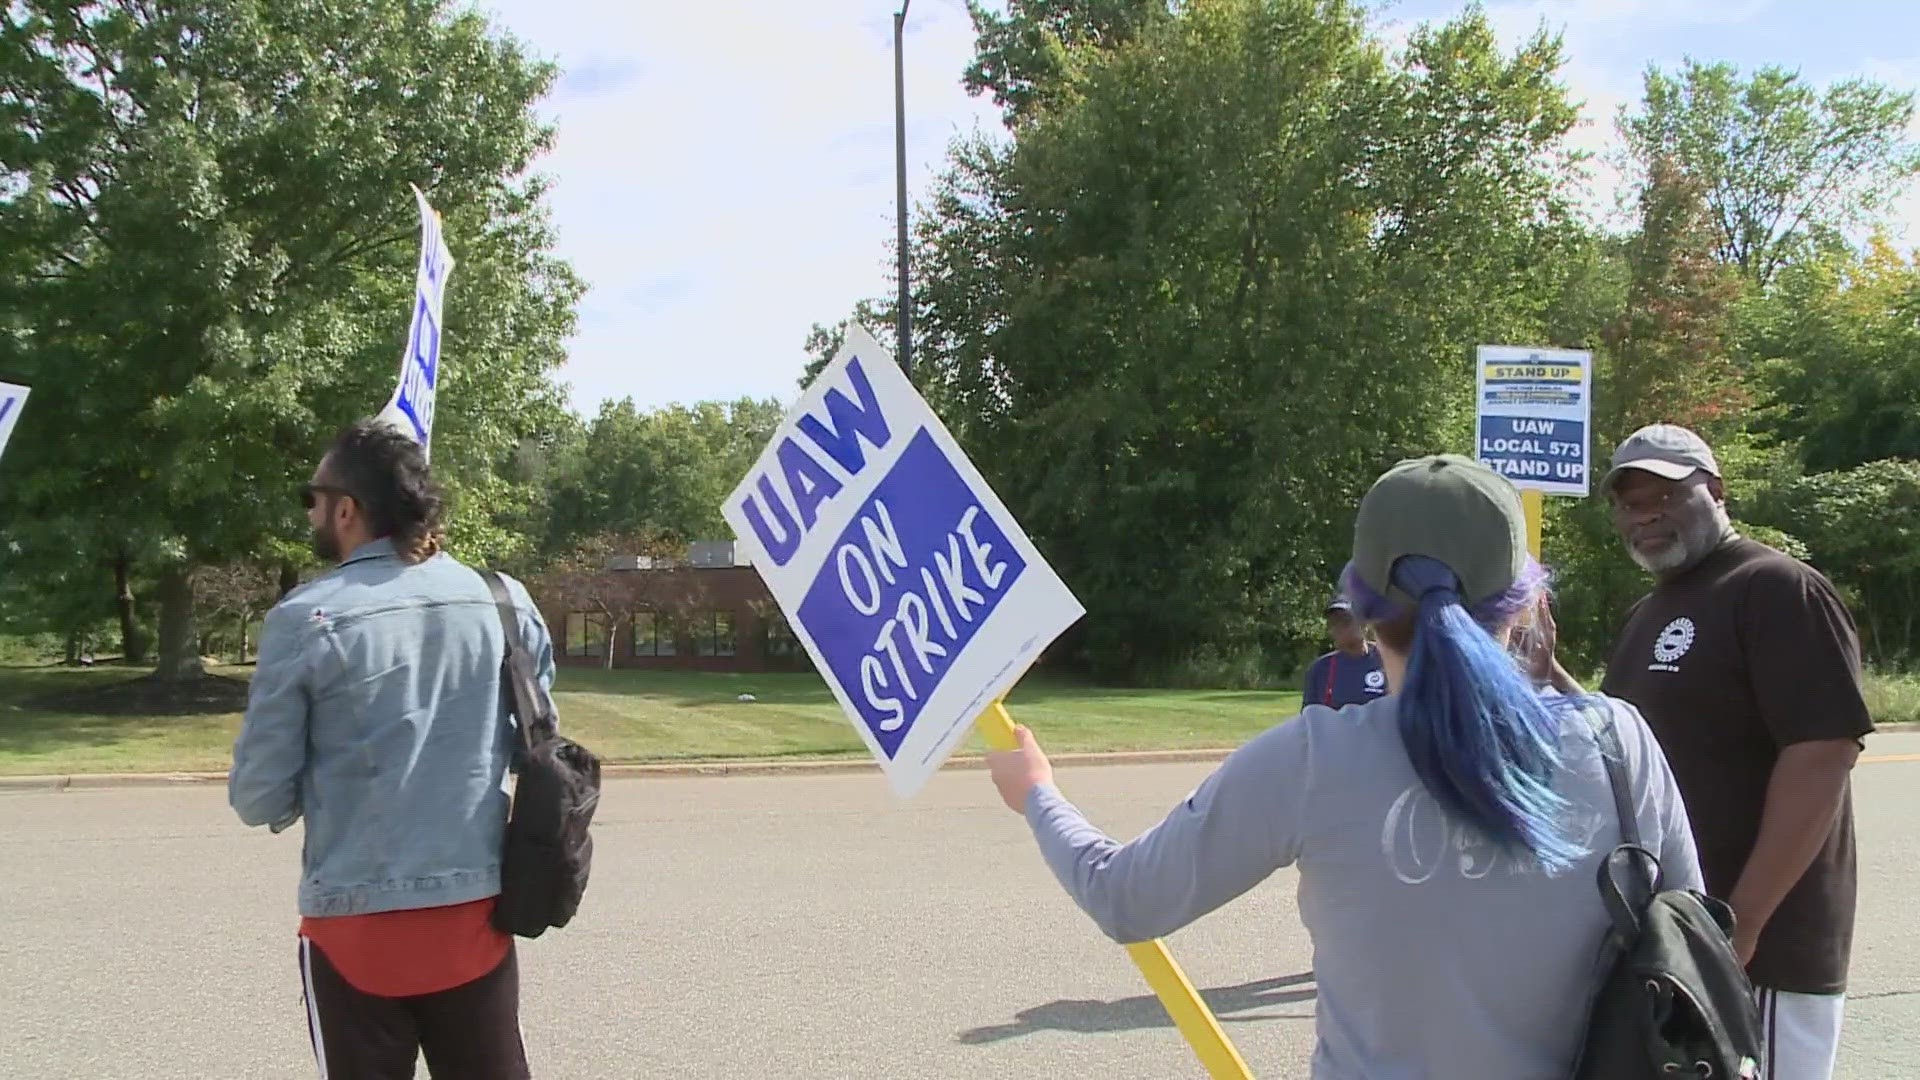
point(725, 176)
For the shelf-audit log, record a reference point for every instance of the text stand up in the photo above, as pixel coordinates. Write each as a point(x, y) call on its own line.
point(1534, 424)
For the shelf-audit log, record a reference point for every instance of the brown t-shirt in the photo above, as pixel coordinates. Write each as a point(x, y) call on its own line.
point(1746, 653)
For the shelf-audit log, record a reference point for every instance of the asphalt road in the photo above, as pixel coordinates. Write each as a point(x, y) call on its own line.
point(744, 927)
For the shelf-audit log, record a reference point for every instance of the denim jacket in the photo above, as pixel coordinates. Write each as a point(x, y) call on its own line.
point(376, 713)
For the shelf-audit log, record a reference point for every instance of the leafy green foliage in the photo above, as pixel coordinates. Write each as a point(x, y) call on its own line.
point(1230, 265)
point(1029, 57)
point(1781, 161)
point(1672, 357)
point(1227, 278)
point(664, 472)
point(1838, 347)
point(1862, 526)
point(210, 247)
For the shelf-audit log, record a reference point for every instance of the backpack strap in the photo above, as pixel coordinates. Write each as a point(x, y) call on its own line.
point(1613, 753)
point(516, 669)
point(1630, 874)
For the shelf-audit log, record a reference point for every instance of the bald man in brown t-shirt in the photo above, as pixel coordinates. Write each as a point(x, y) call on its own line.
point(1746, 664)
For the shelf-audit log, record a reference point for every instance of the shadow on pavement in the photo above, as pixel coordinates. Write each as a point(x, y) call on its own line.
point(1090, 1017)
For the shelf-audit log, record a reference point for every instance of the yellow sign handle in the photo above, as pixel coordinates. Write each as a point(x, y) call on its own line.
point(1177, 995)
point(1534, 503)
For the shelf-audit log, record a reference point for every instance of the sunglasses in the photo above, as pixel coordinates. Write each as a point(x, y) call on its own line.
point(310, 493)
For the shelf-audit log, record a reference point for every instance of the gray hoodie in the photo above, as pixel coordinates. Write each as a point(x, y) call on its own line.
point(1438, 956)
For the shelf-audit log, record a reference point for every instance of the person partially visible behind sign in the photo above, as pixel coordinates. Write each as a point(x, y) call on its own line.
point(1447, 834)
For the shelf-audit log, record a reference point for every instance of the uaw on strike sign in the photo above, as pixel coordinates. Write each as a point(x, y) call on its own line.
point(915, 592)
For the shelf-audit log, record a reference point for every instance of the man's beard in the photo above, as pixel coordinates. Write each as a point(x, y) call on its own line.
point(326, 543)
point(1694, 542)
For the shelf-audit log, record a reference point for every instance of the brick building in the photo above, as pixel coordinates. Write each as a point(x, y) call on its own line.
point(709, 613)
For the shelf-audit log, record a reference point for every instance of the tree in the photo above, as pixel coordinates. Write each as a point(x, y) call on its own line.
point(43, 591)
point(1781, 162)
point(1837, 346)
point(1229, 275)
point(1862, 526)
point(665, 471)
point(824, 342)
point(237, 591)
point(212, 249)
point(1026, 58)
point(1671, 353)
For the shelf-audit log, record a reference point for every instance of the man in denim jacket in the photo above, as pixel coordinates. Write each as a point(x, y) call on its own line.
point(376, 714)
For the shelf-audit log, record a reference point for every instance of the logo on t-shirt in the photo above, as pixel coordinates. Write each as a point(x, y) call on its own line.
point(1376, 682)
point(1672, 644)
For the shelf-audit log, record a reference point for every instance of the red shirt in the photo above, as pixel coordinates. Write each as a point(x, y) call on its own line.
point(407, 953)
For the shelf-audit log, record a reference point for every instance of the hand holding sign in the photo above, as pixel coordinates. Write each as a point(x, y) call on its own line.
point(1018, 771)
point(908, 582)
point(916, 593)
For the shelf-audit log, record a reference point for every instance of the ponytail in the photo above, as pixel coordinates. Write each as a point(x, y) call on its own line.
point(419, 547)
point(1477, 733)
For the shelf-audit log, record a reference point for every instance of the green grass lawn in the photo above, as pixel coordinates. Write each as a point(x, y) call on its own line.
point(629, 716)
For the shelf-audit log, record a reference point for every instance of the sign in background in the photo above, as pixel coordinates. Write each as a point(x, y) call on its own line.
point(1534, 416)
point(913, 589)
point(13, 399)
point(411, 407)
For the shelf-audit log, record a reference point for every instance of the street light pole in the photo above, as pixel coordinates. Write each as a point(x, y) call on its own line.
point(900, 181)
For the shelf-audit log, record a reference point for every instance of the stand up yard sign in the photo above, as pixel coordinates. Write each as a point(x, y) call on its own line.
point(1534, 422)
point(915, 592)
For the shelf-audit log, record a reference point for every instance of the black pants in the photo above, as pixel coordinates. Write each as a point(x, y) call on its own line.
point(471, 1032)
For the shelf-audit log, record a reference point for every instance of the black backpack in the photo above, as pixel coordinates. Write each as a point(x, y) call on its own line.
point(549, 851)
point(1672, 1002)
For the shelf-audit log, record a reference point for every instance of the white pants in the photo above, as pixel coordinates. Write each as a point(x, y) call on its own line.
point(1802, 1033)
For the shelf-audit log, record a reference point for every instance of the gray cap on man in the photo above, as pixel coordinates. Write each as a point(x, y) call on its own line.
point(1668, 451)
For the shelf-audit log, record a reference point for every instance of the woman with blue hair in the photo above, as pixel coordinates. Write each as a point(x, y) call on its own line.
point(1447, 835)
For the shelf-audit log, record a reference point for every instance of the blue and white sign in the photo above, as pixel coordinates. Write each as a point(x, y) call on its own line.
point(1535, 411)
point(411, 408)
point(916, 593)
point(13, 399)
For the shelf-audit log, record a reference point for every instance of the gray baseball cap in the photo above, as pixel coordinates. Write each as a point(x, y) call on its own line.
point(1449, 508)
point(1668, 451)
point(1339, 602)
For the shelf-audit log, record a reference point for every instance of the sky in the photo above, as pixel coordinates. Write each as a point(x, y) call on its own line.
point(724, 171)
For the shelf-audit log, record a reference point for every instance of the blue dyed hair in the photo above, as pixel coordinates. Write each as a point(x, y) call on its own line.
point(1484, 742)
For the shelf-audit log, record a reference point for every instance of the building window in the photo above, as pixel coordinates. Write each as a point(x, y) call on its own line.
point(713, 633)
point(778, 641)
point(652, 634)
point(586, 633)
